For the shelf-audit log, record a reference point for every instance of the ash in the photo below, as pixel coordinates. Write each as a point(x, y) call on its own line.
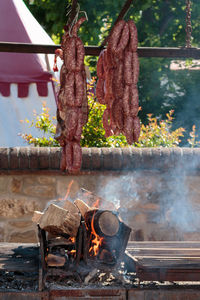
point(18, 281)
point(98, 280)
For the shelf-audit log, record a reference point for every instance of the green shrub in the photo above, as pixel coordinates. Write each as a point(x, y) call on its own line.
point(154, 134)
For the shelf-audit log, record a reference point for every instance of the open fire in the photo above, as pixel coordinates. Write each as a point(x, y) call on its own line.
point(76, 239)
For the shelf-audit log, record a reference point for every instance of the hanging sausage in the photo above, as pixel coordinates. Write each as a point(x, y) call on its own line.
point(72, 111)
point(118, 71)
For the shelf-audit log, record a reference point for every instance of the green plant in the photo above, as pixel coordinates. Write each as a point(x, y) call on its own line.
point(193, 138)
point(154, 134)
point(159, 133)
point(45, 124)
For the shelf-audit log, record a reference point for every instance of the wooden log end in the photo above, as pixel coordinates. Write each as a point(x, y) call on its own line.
point(36, 216)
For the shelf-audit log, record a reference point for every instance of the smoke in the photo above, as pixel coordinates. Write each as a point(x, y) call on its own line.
point(142, 191)
point(176, 204)
point(120, 189)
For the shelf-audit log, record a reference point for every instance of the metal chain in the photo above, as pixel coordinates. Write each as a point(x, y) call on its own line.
point(188, 28)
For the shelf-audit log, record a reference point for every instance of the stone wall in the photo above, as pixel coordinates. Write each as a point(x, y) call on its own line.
point(156, 191)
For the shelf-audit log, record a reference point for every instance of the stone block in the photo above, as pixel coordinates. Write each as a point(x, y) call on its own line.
point(24, 158)
point(117, 158)
point(148, 207)
point(107, 158)
point(43, 158)
point(14, 158)
point(34, 162)
point(140, 219)
point(30, 180)
point(4, 184)
point(96, 158)
point(86, 159)
point(67, 184)
point(40, 191)
point(16, 185)
point(17, 207)
point(126, 152)
point(29, 236)
point(46, 180)
point(54, 160)
point(21, 223)
point(4, 158)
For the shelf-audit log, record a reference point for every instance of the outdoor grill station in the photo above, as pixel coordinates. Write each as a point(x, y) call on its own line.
point(145, 261)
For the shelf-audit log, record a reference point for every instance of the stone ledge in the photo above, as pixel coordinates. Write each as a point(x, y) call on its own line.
point(101, 159)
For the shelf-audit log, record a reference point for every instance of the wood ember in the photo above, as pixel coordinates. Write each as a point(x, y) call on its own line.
point(91, 275)
point(60, 221)
point(53, 260)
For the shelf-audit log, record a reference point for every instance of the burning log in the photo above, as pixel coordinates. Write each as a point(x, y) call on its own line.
point(70, 207)
point(94, 201)
point(36, 216)
point(104, 222)
point(82, 206)
point(57, 220)
point(53, 260)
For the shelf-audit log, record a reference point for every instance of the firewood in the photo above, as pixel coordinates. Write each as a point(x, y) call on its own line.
point(57, 220)
point(105, 222)
point(108, 223)
point(70, 207)
point(53, 260)
point(82, 206)
point(36, 216)
point(94, 201)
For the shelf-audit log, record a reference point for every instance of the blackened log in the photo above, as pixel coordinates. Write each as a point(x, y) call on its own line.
point(105, 222)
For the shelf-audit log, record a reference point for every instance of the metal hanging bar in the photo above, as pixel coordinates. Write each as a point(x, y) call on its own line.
point(95, 51)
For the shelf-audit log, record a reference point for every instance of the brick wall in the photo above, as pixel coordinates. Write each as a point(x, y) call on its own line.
point(156, 191)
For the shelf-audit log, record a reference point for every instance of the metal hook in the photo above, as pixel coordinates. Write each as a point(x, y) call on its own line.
point(82, 11)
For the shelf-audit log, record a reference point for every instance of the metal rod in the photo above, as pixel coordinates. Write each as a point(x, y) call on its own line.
point(122, 13)
point(73, 12)
point(95, 51)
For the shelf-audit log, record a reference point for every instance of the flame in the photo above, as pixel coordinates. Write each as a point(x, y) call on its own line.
point(96, 204)
point(68, 189)
point(97, 240)
point(72, 239)
point(73, 251)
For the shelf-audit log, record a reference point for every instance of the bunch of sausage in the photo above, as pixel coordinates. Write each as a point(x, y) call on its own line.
point(118, 71)
point(72, 112)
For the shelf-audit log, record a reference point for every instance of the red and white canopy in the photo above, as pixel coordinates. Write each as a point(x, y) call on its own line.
point(18, 25)
point(25, 78)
